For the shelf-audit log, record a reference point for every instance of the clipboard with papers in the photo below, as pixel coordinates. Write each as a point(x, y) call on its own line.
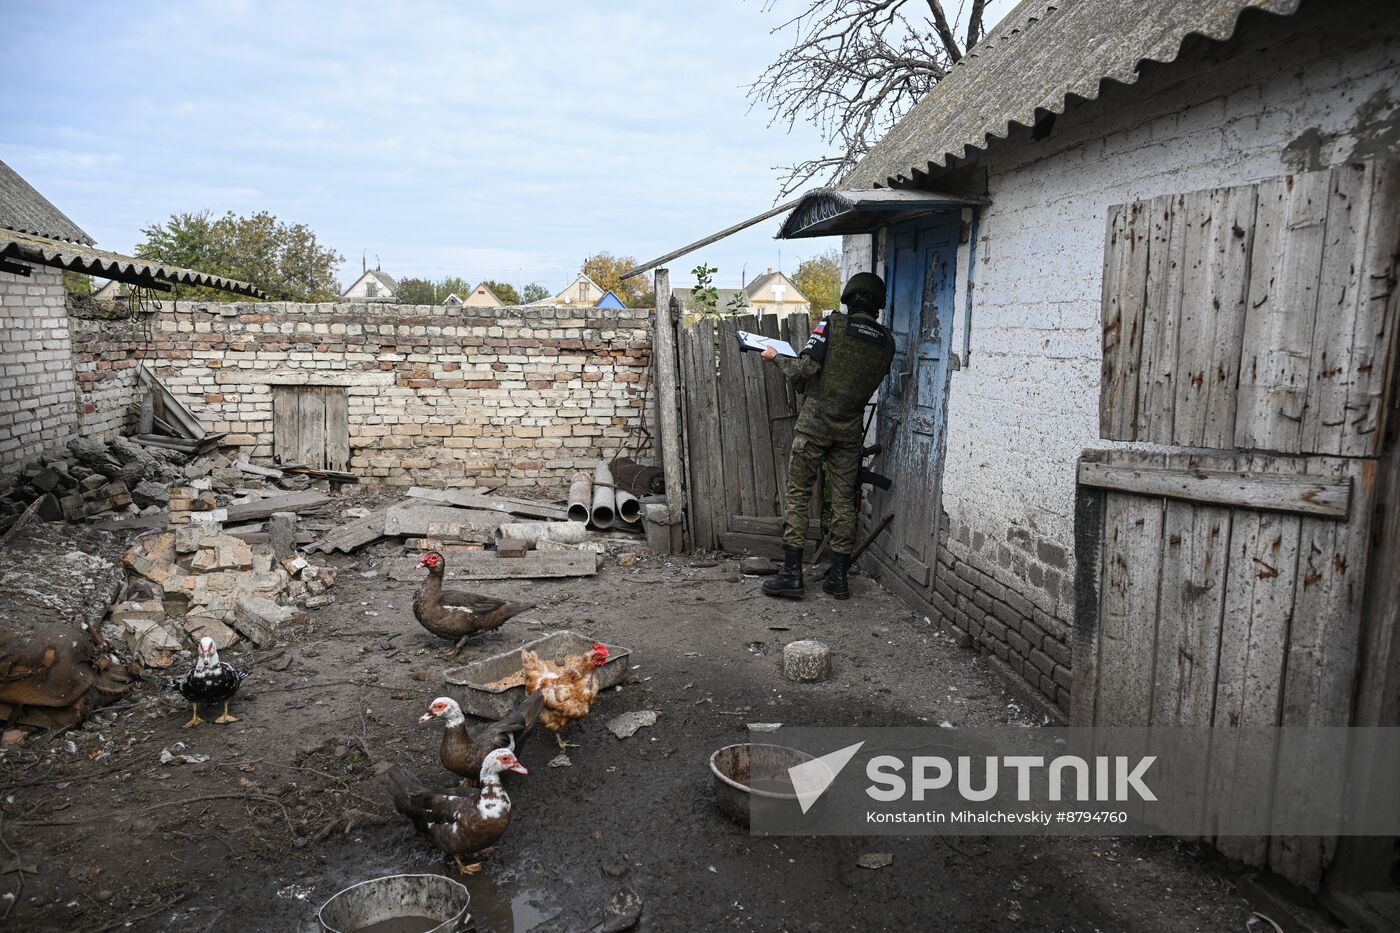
point(758, 343)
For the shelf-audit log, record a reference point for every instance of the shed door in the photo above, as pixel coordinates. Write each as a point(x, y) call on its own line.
point(310, 426)
point(922, 260)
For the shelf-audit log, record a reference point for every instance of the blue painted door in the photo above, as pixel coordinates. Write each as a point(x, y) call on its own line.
point(921, 261)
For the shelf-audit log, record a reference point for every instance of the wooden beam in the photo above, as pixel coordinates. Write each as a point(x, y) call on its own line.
point(664, 369)
point(263, 508)
point(1325, 496)
point(712, 238)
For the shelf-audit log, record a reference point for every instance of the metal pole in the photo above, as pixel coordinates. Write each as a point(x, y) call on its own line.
point(663, 367)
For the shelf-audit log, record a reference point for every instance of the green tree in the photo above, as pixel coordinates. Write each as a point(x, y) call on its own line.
point(819, 279)
point(76, 283)
point(532, 292)
point(284, 260)
point(416, 292)
point(504, 292)
point(606, 269)
point(705, 294)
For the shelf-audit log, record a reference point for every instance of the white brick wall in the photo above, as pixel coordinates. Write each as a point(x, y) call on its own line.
point(38, 401)
point(1021, 412)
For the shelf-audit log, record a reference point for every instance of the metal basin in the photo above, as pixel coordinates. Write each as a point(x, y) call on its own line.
point(752, 776)
point(398, 897)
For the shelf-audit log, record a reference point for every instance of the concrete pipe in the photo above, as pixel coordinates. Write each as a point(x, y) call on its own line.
point(604, 497)
point(533, 532)
point(580, 498)
point(628, 508)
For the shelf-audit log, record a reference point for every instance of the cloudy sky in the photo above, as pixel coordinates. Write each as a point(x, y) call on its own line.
point(499, 140)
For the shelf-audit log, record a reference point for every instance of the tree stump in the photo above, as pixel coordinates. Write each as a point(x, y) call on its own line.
point(806, 661)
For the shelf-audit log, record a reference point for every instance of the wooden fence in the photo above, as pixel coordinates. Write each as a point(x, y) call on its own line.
point(738, 418)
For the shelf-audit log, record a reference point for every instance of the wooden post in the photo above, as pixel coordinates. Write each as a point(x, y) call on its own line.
point(665, 372)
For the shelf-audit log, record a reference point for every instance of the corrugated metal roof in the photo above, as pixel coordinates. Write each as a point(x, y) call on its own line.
point(27, 211)
point(1040, 55)
point(828, 211)
point(25, 247)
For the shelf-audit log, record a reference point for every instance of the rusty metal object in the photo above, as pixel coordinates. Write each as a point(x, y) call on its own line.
point(629, 509)
point(637, 479)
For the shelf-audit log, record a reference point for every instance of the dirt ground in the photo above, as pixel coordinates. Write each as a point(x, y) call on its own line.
point(286, 810)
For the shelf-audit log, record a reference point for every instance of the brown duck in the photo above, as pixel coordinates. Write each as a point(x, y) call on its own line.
point(453, 614)
point(462, 751)
point(459, 824)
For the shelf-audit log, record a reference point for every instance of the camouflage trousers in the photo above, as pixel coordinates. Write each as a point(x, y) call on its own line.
point(842, 457)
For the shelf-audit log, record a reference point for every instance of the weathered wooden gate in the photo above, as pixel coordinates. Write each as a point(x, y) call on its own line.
point(739, 415)
point(310, 426)
point(1229, 583)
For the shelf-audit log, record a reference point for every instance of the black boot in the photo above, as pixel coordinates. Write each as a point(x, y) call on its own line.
point(835, 582)
point(788, 582)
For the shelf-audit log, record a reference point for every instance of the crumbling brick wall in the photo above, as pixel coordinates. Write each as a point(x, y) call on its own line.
point(514, 396)
point(38, 408)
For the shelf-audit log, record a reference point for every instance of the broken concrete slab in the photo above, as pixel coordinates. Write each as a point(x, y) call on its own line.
point(282, 534)
point(626, 725)
point(210, 625)
point(476, 499)
point(258, 618)
point(806, 661)
point(485, 565)
point(154, 642)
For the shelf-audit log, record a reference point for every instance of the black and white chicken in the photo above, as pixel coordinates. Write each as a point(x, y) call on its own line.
point(211, 681)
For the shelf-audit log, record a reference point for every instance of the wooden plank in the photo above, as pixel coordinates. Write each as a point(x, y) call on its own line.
point(781, 417)
point(337, 429)
point(284, 424)
point(738, 465)
point(1285, 266)
point(173, 410)
point(761, 545)
point(665, 384)
point(1219, 235)
point(695, 519)
point(771, 525)
point(1124, 295)
point(311, 426)
point(1161, 320)
point(1196, 542)
point(471, 499)
point(1132, 558)
point(1372, 364)
point(1326, 496)
point(1324, 646)
point(485, 565)
point(760, 437)
point(1259, 596)
point(263, 508)
point(708, 445)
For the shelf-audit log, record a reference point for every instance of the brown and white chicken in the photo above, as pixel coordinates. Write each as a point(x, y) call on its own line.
point(569, 687)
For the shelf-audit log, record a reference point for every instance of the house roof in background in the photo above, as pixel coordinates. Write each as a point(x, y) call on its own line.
point(1040, 57)
point(609, 300)
point(385, 278)
point(27, 211)
point(762, 281)
point(76, 257)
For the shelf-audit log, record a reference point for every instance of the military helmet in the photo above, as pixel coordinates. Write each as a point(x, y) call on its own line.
point(868, 287)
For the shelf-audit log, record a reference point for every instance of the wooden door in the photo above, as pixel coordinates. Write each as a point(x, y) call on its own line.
point(922, 259)
point(1229, 587)
point(310, 426)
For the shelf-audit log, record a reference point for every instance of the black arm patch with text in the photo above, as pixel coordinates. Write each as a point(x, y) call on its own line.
point(816, 343)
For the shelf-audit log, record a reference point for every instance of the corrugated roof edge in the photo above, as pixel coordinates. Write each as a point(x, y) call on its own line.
point(870, 171)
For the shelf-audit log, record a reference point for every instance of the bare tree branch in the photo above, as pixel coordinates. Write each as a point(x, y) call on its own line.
point(854, 68)
point(974, 24)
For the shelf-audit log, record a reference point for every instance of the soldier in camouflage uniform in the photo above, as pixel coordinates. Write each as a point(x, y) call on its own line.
point(838, 370)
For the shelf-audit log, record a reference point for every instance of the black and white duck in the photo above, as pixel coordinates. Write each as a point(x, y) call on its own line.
point(211, 681)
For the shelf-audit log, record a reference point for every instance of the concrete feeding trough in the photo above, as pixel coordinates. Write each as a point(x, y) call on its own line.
point(482, 691)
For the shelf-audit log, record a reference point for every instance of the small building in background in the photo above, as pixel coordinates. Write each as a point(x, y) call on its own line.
point(372, 285)
point(581, 291)
point(770, 293)
point(609, 300)
point(482, 297)
point(452, 301)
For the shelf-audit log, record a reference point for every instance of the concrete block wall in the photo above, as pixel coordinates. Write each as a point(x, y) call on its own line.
point(517, 397)
point(38, 399)
point(1287, 94)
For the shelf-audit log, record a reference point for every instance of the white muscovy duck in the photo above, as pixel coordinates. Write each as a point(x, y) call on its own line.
point(211, 681)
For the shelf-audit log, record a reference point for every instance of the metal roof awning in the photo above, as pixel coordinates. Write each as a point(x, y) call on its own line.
point(16, 248)
point(832, 211)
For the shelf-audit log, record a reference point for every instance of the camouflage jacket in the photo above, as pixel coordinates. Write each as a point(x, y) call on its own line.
point(844, 362)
